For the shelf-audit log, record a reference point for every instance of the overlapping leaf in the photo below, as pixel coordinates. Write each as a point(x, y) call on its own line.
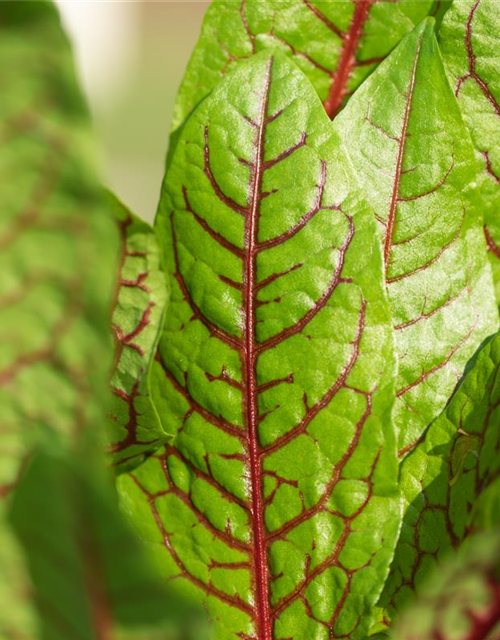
point(275, 503)
point(461, 600)
point(416, 162)
point(336, 44)
point(57, 244)
point(470, 41)
point(137, 320)
point(443, 477)
point(89, 572)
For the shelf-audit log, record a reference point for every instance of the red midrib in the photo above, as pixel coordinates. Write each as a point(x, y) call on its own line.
point(399, 164)
point(249, 356)
point(343, 71)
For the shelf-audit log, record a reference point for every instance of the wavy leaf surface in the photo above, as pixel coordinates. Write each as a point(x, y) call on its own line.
point(470, 41)
point(336, 44)
point(57, 244)
point(90, 574)
point(442, 479)
point(275, 503)
point(413, 162)
point(462, 599)
point(139, 307)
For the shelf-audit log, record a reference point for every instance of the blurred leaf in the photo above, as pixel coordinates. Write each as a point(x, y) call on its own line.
point(58, 245)
point(461, 599)
point(141, 297)
point(89, 572)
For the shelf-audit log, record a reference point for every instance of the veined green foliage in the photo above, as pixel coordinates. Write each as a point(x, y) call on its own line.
point(415, 164)
point(442, 478)
point(461, 600)
point(57, 244)
point(470, 41)
point(276, 501)
point(336, 44)
point(141, 297)
point(89, 573)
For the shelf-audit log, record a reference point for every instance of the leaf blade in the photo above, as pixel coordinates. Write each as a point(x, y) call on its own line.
point(140, 300)
point(437, 276)
point(242, 393)
point(468, 38)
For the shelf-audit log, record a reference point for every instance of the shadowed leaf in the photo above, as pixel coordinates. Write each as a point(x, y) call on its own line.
point(461, 600)
point(449, 482)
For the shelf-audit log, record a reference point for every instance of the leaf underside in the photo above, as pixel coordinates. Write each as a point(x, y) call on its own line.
point(413, 163)
point(442, 479)
point(336, 44)
point(140, 300)
point(272, 500)
point(470, 41)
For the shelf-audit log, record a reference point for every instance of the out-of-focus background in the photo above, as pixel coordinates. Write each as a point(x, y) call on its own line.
point(131, 56)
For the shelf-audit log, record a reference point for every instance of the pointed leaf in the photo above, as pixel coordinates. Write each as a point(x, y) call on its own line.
point(57, 244)
point(462, 599)
point(137, 319)
point(276, 502)
point(336, 44)
point(415, 163)
point(443, 477)
point(89, 572)
point(470, 41)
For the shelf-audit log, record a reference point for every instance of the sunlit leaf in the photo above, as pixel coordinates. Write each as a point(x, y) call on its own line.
point(275, 503)
point(416, 164)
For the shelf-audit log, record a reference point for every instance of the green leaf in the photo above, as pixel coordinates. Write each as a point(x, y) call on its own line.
point(89, 573)
point(461, 601)
point(443, 477)
point(415, 163)
point(58, 245)
point(18, 620)
point(470, 41)
point(336, 44)
point(276, 502)
point(140, 300)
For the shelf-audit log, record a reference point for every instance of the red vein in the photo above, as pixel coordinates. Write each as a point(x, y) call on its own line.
point(317, 207)
point(492, 246)
point(211, 232)
point(249, 361)
point(223, 336)
point(229, 202)
point(313, 411)
point(216, 421)
point(391, 220)
point(320, 304)
point(333, 27)
point(347, 61)
point(423, 377)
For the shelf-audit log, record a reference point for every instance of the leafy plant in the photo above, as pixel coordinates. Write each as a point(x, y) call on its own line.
point(303, 404)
